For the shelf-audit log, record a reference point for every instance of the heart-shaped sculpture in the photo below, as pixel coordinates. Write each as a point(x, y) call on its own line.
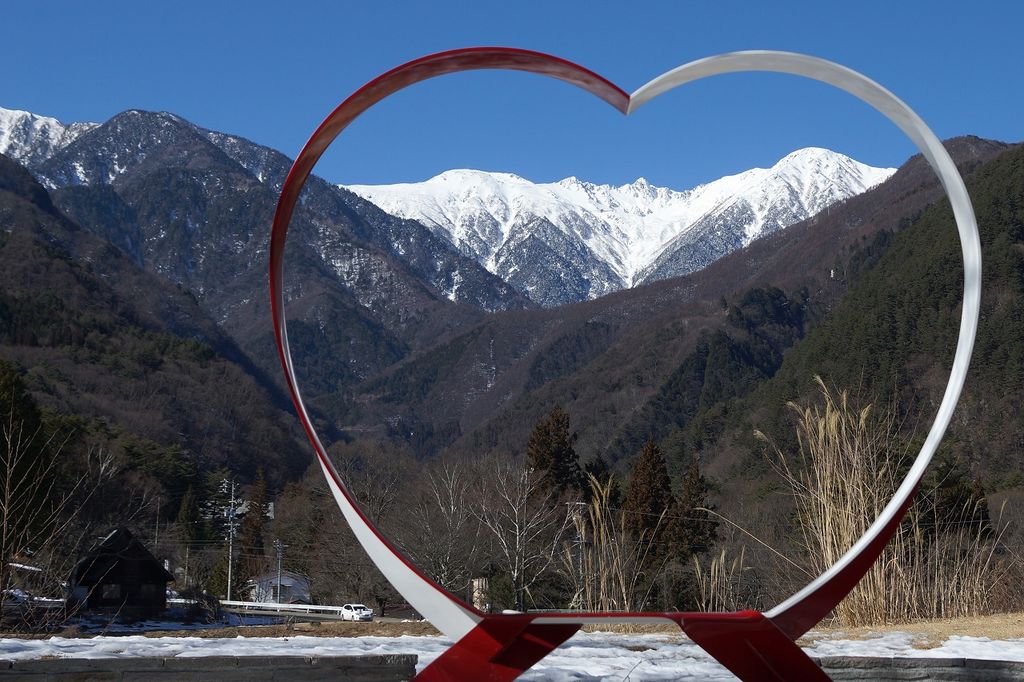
point(752, 645)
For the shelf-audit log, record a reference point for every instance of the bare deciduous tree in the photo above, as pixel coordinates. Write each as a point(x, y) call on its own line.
point(39, 513)
point(321, 545)
point(374, 472)
point(443, 535)
point(525, 520)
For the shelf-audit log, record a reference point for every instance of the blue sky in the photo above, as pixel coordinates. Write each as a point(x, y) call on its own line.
point(272, 72)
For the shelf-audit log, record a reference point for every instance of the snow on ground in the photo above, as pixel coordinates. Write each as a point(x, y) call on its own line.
point(902, 644)
point(587, 656)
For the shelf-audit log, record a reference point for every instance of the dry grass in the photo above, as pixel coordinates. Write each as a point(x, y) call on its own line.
point(931, 633)
point(663, 628)
point(718, 584)
point(848, 467)
point(605, 564)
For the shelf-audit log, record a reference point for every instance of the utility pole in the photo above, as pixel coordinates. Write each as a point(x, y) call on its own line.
point(576, 511)
point(231, 535)
point(156, 533)
point(279, 546)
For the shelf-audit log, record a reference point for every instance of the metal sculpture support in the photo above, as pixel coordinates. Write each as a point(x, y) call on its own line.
point(754, 646)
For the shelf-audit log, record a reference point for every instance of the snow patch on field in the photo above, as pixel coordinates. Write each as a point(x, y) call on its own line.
point(587, 656)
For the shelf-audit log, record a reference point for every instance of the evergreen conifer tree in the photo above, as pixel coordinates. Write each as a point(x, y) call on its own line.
point(677, 528)
point(649, 493)
point(693, 529)
point(188, 517)
point(550, 451)
point(16, 405)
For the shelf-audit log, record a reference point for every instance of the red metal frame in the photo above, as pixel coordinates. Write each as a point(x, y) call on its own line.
point(501, 647)
point(384, 85)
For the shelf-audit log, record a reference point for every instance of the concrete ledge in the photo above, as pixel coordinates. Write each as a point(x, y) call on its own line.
point(382, 668)
point(388, 668)
point(968, 669)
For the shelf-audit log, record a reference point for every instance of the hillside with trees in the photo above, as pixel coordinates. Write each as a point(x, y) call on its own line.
point(600, 455)
point(887, 341)
point(643, 362)
point(122, 398)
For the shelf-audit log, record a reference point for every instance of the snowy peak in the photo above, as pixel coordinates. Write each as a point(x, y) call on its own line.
point(611, 237)
point(29, 138)
point(823, 177)
point(90, 153)
point(129, 143)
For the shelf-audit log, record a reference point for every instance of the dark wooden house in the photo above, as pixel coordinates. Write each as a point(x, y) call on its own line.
point(119, 575)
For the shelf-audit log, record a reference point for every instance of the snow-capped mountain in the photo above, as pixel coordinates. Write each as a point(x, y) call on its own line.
point(554, 243)
point(572, 240)
point(114, 157)
point(29, 138)
point(193, 207)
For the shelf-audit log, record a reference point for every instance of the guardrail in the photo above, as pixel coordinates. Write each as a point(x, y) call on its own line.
point(275, 609)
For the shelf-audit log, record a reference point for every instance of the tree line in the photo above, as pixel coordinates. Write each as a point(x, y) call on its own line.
point(539, 529)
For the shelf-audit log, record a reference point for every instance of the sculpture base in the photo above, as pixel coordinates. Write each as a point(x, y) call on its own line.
point(502, 647)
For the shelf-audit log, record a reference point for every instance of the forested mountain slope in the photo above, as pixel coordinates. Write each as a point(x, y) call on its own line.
point(100, 338)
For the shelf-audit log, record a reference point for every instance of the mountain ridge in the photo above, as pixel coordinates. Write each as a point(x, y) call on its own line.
point(374, 335)
point(543, 244)
point(101, 338)
point(605, 360)
point(613, 237)
point(29, 138)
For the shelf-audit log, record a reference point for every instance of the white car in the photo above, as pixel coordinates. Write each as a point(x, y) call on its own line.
point(356, 612)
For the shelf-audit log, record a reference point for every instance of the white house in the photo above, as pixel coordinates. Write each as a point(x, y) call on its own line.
point(294, 588)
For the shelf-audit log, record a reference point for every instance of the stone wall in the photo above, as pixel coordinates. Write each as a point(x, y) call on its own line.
point(402, 667)
point(842, 668)
point(214, 668)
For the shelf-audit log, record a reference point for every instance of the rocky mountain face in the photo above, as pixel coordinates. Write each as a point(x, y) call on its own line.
point(133, 361)
point(573, 240)
point(29, 138)
point(133, 289)
point(405, 329)
point(195, 207)
point(491, 240)
point(643, 362)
